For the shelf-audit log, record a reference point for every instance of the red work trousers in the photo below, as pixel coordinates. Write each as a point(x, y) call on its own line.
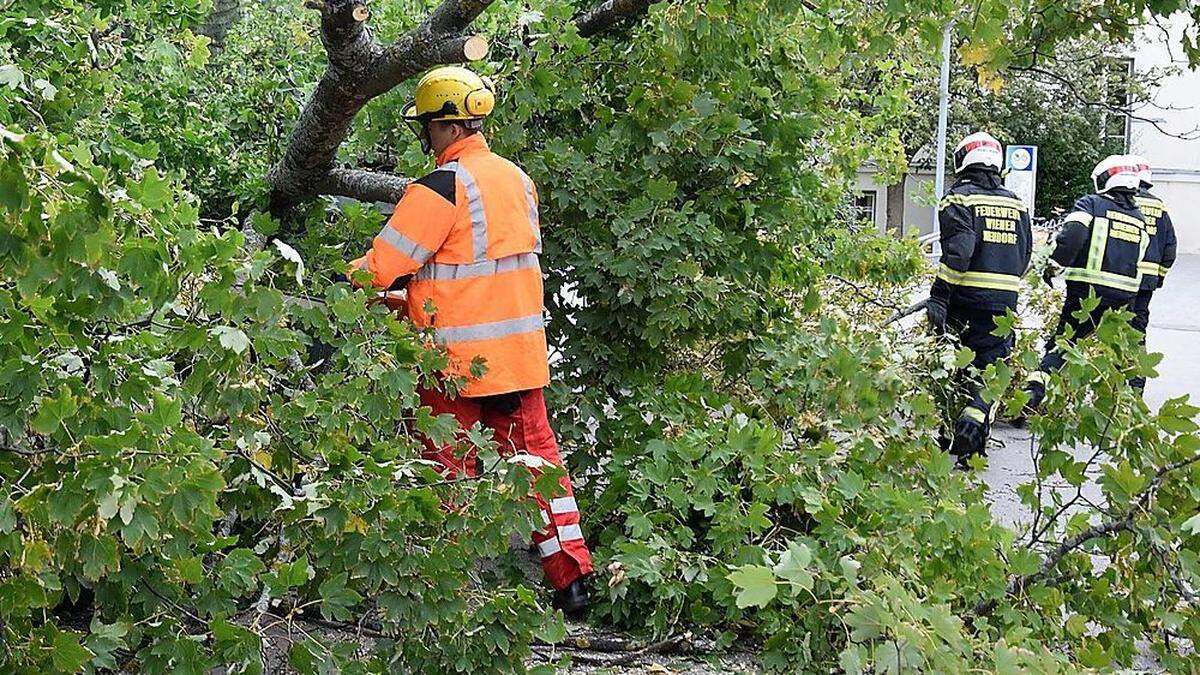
point(519, 424)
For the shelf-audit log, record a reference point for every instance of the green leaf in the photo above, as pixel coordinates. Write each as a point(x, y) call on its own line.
point(963, 357)
point(166, 414)
point(68, 655)
point(231, 338)
point(1191, 525)
point(190, 569)
point(98, 554)
point(849, 567)
point(11, 76)
point(336, 599)
point(756, 585)
point(793, 566)
point(153, 191)
point(238, 571)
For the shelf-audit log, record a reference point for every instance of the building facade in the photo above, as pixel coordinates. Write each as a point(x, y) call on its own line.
point(1166, 131)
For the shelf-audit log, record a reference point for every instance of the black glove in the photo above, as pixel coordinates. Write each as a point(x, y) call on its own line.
point(935, 312)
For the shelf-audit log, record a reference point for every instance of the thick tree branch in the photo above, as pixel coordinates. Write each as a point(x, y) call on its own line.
point(360, 68)
point(608, 14)
point(416, 52)
point(365, 186)
point(348, 41)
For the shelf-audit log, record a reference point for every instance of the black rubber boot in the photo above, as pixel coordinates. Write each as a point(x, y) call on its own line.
point(970, 440)
point(573, 600)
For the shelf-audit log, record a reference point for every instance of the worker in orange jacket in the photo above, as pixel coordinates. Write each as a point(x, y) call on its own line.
point(465, 239)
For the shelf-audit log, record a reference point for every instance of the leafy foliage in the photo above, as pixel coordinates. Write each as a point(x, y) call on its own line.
point(202, 439)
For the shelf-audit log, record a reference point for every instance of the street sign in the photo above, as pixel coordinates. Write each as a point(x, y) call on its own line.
point(1021, 164)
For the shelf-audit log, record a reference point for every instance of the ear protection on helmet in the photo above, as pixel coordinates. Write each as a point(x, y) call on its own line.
point(480, 102)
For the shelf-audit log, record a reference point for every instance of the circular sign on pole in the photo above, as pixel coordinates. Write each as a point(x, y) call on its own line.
point(1021, 177)
point(1021, 159)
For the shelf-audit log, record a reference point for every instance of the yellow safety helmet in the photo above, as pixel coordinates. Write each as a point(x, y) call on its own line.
point(451, 93)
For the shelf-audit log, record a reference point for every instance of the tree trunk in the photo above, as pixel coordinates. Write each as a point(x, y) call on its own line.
point(224, 14)
point(895, 206)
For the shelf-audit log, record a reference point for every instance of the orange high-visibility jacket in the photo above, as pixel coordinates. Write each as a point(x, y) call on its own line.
point(469, 234)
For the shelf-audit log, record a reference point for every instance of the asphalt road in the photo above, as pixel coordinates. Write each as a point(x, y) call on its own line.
point(1174, 331)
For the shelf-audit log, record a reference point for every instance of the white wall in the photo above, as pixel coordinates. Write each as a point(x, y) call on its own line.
point(918, 191)
point(1174, 112)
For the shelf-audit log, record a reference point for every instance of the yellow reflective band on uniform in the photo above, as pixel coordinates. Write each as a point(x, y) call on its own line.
point(989, 200)
point(990, 280)
point(1100, 278)
point(1037, 377)
point(1162, 271)
point(1124, 218)
point(976, 414)
point(1099, 242)
point(1149, 268)
point(949, 275)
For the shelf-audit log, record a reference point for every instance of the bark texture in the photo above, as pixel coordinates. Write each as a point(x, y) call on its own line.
point(224, 14)
point(895, 206)
point(361, 68)
point(608, 14)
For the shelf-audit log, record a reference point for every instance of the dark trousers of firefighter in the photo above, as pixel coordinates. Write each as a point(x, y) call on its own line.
point(1083, 327)
point(1141, 321)
point(520, 425)
point(974, 330)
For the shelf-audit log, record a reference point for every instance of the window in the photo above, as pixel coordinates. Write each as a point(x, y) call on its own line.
point(864, 207)
point(1116, 78)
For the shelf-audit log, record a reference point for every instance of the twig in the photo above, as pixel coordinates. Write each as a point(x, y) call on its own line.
point(858, 290)
point(608, 652)
point(1018, 584)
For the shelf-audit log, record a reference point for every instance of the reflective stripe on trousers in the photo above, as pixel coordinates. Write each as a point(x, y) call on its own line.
point(565, 556)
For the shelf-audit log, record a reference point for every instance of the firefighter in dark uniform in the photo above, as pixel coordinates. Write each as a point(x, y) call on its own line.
point(1100, 248)
point(986, 245)
point(1160, 253)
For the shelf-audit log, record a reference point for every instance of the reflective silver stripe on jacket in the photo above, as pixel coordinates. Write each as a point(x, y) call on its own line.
point(449, 271)
point(405, 245)
point(479, 226)
point(534, 221)
point(488, 331)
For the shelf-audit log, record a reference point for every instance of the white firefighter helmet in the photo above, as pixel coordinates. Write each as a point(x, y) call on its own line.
point(1115, 171)
point(980, 148)
point(1145, 175)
